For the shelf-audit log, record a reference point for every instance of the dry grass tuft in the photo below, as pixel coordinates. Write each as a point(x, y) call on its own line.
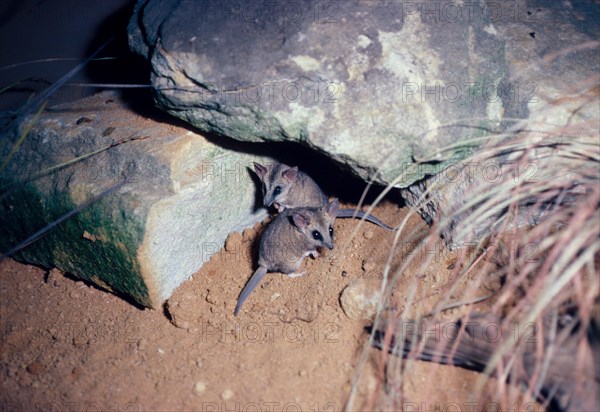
point(526, 240)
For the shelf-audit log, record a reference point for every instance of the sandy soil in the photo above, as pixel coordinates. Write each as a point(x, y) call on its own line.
point(67, 345)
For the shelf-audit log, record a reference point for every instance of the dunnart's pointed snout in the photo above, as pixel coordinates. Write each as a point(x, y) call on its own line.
point(329, 245)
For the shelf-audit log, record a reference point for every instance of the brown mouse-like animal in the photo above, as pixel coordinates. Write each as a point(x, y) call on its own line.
point(289, 238)
point(287, 187)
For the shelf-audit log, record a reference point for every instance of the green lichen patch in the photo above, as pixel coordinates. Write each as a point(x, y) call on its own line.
point(100, 242)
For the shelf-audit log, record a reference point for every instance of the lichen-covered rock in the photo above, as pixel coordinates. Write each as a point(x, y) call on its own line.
point(180, 195)
point(551, 53)
point(379, 86)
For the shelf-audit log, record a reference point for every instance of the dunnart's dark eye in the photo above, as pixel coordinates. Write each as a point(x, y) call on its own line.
point(276, 191)
point(331, 231)
point(317, 235)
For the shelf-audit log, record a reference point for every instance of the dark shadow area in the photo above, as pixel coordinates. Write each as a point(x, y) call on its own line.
point(11, 7)
point(44, 40)
point(128, 68)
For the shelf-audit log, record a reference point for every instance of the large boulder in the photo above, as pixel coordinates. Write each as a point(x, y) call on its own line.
point(173, 197)
point(379, 86)
point(553, 66)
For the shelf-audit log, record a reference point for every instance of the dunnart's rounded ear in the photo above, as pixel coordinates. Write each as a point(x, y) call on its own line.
point(300, 220)
point(332, 208)
point(290, 174)
point(260, 170)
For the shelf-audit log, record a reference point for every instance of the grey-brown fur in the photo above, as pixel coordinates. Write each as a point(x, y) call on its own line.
point(287, 187)
point(289, 238)
point(297, 189)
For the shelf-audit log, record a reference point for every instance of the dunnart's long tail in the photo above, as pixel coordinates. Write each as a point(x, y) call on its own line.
point(360, 215)
point(250, 286)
